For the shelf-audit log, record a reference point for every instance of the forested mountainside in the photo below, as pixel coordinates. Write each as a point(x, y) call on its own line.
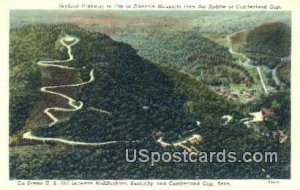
point(130, 99)
point(26, 49)
point(192, 53)
point(268, 43)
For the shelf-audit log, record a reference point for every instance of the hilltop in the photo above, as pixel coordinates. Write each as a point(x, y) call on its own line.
point(268, 43)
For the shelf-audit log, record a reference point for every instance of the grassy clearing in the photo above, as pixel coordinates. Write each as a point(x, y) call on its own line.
point(217, 38)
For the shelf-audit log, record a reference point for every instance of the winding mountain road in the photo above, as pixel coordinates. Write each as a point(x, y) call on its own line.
point(29, 135)
point(75, 105)
point(274, 76)
point(71, 101)
point(62, 41)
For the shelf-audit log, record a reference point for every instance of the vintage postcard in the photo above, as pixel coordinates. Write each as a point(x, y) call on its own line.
point(150, 94)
